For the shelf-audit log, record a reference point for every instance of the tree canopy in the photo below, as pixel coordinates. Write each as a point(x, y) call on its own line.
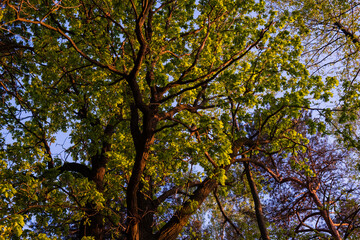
point(208, 119)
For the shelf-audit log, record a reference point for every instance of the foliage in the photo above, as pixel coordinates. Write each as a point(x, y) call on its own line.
point(163, 105)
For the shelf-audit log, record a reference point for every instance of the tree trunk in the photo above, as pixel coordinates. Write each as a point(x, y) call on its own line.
point(258, 209)
point(142, 143)
point(146, 210)
point(95, 226)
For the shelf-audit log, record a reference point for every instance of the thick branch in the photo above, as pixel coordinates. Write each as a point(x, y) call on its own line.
point(173, 191)
point(76, 167)
point(325, 214)
point(131, 79)
point(174, 226)
point(347, 33)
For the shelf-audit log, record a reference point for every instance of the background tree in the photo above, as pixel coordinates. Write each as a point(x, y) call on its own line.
point(304, 190)
point(312, 186)
point(330, 30)
point(162, 103)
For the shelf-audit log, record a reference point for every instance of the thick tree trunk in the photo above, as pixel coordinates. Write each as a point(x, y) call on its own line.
point(258, 208)
point(146, 210)
point(95, 227)
point(142, 143)
point(132, 193)
point(92, 225)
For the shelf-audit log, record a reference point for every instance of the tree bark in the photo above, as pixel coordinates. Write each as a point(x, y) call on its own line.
point(326, 216)
point(175, 225)
point(258, 208)
point(96, 227)
point(146, 210)
point(142, 142)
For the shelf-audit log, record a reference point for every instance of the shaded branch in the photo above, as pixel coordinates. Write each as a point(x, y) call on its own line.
point(225, 216)
point(347, 33)
point(76, 167)
point(258, 208)
point(173, 191)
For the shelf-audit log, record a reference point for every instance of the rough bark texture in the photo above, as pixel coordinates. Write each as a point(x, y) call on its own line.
point(95, 226)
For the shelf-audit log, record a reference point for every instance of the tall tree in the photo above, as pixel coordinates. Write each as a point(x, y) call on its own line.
point(156, 99)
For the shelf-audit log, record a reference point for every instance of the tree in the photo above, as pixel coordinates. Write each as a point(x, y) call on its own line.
point(330, 34)
point(310, 189)
point(156, 99)
point(309, 192)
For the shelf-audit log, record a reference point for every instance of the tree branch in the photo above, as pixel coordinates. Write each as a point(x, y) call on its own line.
point(76, 167)
point(347, 33)
point(225, 216)
point(173, 191)
point(258, 208)
point(174, 226)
